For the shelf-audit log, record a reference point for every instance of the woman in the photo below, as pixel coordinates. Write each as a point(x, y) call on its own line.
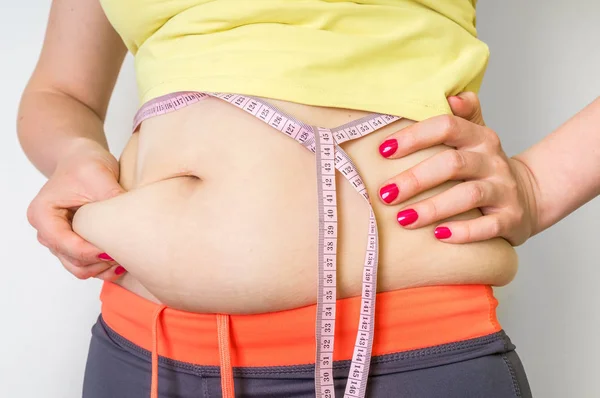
point(213, 212)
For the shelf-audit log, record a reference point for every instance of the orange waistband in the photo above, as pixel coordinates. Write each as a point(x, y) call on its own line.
point(404, 320)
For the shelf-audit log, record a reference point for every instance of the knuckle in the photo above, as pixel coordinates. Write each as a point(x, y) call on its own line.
point(467, 231)
point(456, 161)
point(106, 276)
point(33, 213)
point(449, 125)
point(492, 140)
point(408, 141)
point(496, 226)
point(51, 244)
point(42, 240)
point(476, 194)
point(431, 210)
point(413, 180)
point(54, 249)
point(79, 273)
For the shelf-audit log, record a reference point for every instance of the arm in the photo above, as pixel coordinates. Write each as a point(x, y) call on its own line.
point(564, 168)
point(65, 101)
point(60, 127)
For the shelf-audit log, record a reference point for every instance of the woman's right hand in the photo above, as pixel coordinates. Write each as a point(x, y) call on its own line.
point(86, 173)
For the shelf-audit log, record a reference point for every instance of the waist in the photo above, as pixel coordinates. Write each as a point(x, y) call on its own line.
point(405, 320)
point(214, 194)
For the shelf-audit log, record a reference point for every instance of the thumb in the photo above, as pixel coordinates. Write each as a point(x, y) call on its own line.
point(466, 105)
point(105, 185)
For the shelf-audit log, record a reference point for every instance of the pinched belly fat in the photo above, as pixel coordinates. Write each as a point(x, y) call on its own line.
point(221, 216)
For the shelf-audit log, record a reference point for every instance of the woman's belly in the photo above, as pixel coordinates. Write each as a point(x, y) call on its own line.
point(221, 216)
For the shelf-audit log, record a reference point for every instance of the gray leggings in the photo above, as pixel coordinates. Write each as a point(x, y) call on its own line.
point(485, 367)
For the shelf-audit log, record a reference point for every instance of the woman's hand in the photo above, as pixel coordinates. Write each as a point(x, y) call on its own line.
point(501, 187)
point(87, 173)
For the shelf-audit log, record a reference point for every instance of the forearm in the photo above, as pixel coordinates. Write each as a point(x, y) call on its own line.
point(51, 123)
point(565, 167)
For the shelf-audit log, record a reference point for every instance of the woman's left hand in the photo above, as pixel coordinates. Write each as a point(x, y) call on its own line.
point(501, 187)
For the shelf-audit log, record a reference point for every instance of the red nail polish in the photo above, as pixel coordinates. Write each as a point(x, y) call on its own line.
point(120, 270)
point(389, 192)
point(104, 256)
point(406, 217)
point(442, 232)
point(388, 147)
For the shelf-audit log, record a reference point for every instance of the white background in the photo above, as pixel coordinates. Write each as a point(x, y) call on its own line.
point(544, 67)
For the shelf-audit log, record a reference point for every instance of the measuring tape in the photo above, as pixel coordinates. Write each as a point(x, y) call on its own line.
point(324, 143)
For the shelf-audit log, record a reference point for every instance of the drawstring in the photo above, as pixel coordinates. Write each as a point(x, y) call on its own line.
point(155, 322)
point(225, 356)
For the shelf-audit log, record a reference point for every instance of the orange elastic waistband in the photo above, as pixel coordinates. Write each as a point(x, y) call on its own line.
point(404, 320)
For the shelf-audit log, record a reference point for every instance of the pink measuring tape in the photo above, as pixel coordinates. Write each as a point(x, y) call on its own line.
point(329, 157)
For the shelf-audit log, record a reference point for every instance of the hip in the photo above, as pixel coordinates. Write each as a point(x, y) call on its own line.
point(429, 342)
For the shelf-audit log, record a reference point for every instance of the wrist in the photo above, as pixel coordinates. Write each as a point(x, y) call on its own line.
point(77, 145)
point(532, 195)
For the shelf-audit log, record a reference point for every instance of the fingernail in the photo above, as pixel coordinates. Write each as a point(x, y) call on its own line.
point(442, 232)
point(406, 217)
point(388, 147)
point(120, 270)
point(104, 256)
point(389, 192)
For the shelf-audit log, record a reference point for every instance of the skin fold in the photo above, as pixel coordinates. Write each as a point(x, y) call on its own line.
point(236, 206)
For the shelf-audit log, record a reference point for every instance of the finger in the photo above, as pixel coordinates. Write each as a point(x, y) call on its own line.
point(107, 270)
point(456, 200)
point(86, 272)
point(42, 241)
point(467, 106)
point(475, 230)
point(112, 274)
point(54, 229)
point(444, 129)
point(433, 171)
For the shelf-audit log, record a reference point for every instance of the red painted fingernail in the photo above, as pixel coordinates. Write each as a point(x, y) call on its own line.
point(442, 232)
point(388, 147)
point(389, 192)
point(406, 217)
point(120, 270)
point(104, 256)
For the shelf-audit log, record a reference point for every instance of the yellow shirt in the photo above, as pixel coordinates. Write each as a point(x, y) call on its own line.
point(401, 57)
